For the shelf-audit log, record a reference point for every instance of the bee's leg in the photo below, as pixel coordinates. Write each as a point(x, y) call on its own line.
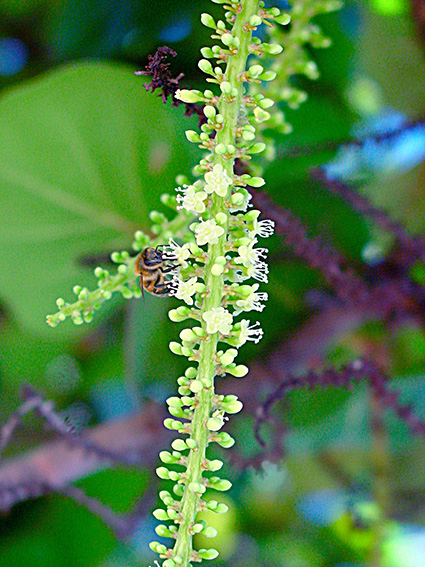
point(162, 289)
point(169, 268)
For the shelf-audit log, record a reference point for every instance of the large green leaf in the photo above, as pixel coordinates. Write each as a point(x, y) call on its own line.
point(85, 153)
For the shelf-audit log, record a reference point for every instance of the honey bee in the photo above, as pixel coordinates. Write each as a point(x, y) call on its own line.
point(151, 266)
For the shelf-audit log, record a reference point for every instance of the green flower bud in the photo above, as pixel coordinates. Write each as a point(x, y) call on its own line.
point(221, 508)
point(256, 148)
point(268, 76)
point(196, 488)
point(163, 531)
point(174, 401)
point(220, 484)
point(226, 87)
point(266, 103)
point(238, 371)
point(175, 476)
point(207, 52)
point(233, 407)
point(191, 443)
point(208, 553)
point(210, 111)
point(158, 547)
point(160, 515)
point(217, 270)
point(187, 335)
point(193, 136)
point(186, 351)
point(256, 181)
point(221, 218)
point(214, 424)
point(168, 563)
point(255, 70)
point(167, 458)
point(191, 373)
point(174, 515)
point(225, 440)
point(206, 66)
point(175, 316)
point(178, 490)
point(197, 528)
point(176, 348)
point(228, 357)
point(163, 473)
point(220, 149)
point(179, 445)
point(214, 465)
point(208, 21)
point(189, 96)
point(196, 386)
point(209, 532)
point(248, 136)
point(237, 199)
point(261, 115)
point(251, 215)
point(227, 38)
point(283, 19)
point(164, 495)
point(255, 21)
point(274, 49)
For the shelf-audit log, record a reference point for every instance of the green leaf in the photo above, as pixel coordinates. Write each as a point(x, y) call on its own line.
point(85, 153)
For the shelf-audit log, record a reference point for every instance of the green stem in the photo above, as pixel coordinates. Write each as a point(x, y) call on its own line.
point(214, 284)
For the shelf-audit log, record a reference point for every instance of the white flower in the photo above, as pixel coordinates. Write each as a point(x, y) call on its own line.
point(264, 228)
point(208, 232)
point(218, 319)
point(247, 333)
point(192, 200)
point(249, 256)
point(259, 272)
point(252, 301)
point(217, 181)
point(185, 289)
point(176, 253)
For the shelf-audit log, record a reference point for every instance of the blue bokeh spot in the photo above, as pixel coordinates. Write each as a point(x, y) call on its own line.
point(177, 31)
point(13, 56)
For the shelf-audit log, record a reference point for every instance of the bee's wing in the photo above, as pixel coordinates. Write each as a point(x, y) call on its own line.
point(142, 287)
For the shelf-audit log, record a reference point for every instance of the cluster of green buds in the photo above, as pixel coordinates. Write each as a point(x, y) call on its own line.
point(290, 45)
point(124, 280)
point(212, 279)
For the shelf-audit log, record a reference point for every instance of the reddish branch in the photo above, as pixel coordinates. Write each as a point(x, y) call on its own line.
point(412, 247)
point(55, 465)
point(360, 370)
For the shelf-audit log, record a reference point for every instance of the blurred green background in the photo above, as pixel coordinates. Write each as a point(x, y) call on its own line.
point(85, 154)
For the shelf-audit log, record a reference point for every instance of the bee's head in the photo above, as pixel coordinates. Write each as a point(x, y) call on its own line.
point(152, 256)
